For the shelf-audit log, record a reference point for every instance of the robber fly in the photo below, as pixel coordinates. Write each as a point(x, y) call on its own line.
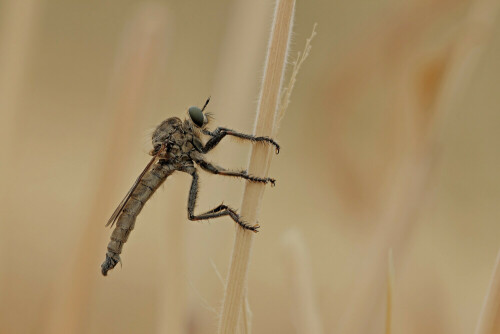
point(178, 146)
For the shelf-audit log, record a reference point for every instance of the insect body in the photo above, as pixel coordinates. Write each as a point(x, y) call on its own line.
point(177, 146)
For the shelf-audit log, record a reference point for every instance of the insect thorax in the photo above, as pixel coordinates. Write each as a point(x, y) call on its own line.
point(177, 136)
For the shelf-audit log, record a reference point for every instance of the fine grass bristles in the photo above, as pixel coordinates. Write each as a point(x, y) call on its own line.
point(287, 91)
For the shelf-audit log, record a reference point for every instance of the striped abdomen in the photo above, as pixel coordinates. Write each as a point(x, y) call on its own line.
point(151, 181)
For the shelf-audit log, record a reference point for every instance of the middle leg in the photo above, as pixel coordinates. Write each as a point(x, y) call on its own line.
point(211, 168)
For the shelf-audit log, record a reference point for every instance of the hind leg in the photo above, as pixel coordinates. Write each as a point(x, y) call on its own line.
point(220, 211)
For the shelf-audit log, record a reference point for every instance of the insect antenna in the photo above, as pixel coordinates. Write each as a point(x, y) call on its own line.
point(208, 100)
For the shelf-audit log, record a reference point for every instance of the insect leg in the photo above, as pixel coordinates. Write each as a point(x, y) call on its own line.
point(220, 211)
point(222, 171)
point(220, 133)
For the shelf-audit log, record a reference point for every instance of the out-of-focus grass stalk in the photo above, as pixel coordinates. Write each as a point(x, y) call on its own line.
point(305, 315)
point(410, 183)
point(390, 292)
point(172, 316)
point(239, 60)
point(405, 198)
point(134, 67)
point(476, 32)
point(489, 319)
point(258, 164)
point(413, 175)
point(18, 27)
point(382, 50)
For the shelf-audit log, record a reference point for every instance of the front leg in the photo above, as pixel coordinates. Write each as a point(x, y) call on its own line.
point(220, 133)
point(211, 168)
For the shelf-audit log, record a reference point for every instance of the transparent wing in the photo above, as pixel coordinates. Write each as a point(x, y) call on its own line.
point(122, 204)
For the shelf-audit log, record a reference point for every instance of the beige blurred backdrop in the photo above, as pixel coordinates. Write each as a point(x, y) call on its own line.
point(374, 156)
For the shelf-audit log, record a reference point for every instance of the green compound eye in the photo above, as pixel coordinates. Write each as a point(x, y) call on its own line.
point(196, 116)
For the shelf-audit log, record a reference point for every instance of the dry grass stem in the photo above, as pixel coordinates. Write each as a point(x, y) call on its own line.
point(489, 319)
point(258, 164)
point(234, 90)
point(304, 313)
point(390, 292)
point(245, 323)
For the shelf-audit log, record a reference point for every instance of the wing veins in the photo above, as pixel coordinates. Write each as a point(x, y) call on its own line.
point(124, 201)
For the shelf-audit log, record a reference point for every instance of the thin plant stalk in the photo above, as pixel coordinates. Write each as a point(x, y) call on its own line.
point(258, 164)
point(489, 318)
point(306, 319)
point(18, 29)
point(245, 323)
point(235, 86)
point(390, 292)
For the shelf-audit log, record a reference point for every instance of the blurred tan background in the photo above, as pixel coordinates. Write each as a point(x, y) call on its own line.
point(386, 144)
